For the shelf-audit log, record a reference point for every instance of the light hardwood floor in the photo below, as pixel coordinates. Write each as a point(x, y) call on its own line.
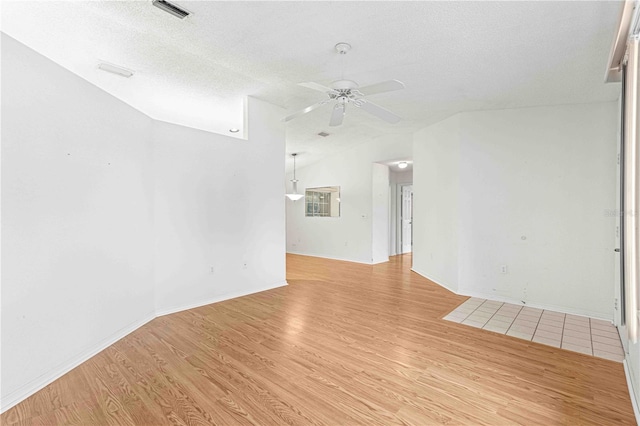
point(343, 344)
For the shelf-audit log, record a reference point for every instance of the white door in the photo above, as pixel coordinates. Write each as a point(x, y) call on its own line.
point(406, 213)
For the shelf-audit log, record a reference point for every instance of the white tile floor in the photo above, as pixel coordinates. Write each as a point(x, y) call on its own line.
point(579, 334)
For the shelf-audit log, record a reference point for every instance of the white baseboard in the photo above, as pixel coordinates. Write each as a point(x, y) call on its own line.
point(545, 306)
point(40, 382)
point(436, 280)
point(499, 298)
point(632, 392)
point(329, 257)
point(37, 384)
point(172, 310)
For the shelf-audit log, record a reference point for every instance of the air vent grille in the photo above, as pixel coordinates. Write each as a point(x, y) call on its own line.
point(171, 8)
point(114, 69)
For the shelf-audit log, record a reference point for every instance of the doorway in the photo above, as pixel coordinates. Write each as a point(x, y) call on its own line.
point(406, 219)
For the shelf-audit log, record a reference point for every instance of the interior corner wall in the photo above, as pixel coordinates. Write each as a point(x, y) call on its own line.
point(380, 213)
point(436, 183)
point(77, 186)
point(348, 237)
point(219, 211)
point(111, 218)
point(533, 188)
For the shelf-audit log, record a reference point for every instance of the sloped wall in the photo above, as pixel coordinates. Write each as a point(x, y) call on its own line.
point(110, 218)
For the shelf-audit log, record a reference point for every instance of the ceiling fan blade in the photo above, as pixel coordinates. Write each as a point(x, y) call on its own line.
point(378, 111)
point(385, 86)
point(318, 87)
point(304, 111)
point(337, 115)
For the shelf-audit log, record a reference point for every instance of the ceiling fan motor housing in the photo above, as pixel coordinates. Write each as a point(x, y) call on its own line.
point(344, 85)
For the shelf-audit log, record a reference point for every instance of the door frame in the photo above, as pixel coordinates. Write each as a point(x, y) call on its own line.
point(400, 218)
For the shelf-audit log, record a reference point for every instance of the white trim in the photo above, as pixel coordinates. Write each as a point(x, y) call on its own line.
point(631, 183)
point(632, 392)
point(331, 257)
point(45, 379)
point(619, 45)
point(220, 298)
point(545, 306)
point(549, 307)
point(39, 383)
point(436, 280)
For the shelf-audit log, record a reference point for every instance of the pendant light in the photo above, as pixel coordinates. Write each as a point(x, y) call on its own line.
point(294, 196)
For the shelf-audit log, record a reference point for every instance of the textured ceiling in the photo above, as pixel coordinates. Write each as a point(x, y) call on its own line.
point(452, 56)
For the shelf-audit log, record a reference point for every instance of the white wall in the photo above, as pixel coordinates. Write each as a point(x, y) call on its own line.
point(533, 187)
point(379, 213)
point(219, 204)
point(436, 182)
point(110, 218)
point(77, 187)
point(348, 237)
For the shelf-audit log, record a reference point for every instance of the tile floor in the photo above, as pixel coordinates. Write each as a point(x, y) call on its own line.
point(580, 334)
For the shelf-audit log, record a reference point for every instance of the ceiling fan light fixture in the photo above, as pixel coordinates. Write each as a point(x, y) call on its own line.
point(342, 92)
point(402, 165)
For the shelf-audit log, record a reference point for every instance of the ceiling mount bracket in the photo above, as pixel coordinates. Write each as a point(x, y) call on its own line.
point(343, 48)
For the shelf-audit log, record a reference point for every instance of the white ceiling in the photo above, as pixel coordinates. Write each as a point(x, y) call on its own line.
point(452, 56)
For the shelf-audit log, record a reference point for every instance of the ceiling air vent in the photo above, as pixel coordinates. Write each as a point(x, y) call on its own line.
point(114, 69)
point(171, 8)
point(323, 134)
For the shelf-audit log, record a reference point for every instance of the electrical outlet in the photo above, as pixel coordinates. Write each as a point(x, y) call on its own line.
point(212, 270)
point(244, 266)
point(503, 269)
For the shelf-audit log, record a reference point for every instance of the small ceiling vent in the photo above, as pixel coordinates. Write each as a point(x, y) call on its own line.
point(171, 8)
point(323, 134)
point(114, 69)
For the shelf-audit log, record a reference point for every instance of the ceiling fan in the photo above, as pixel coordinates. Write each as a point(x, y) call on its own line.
point(343, 92)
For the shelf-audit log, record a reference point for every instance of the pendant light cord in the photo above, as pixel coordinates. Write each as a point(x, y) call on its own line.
point(294, 165)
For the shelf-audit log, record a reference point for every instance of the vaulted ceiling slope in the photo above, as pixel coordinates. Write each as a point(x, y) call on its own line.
point(452, 57)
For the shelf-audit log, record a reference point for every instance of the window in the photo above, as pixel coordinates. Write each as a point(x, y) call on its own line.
point(322, 202)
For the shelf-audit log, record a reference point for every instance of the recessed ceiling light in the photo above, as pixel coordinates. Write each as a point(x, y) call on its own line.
point(234, 130)
point(114, 69)
point(402, 165)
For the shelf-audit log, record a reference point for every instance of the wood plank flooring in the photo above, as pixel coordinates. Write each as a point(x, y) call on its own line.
point(343, 344)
